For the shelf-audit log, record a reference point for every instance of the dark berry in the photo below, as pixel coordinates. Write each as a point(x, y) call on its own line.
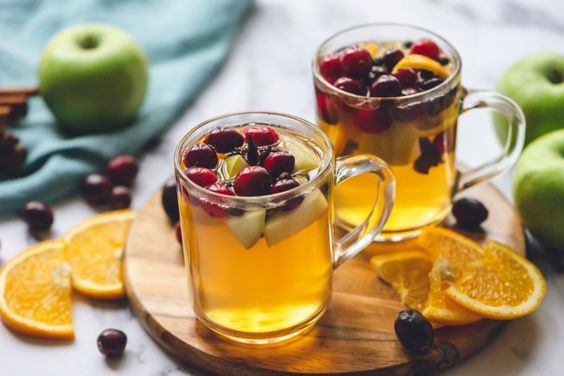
point(111, 342)
point(283, 185)
point(201, 176)
point(407, 77)
point(414, 331)
point(96, 189)
point(37, 215)
point(425, 47)
point(221, 189)
point(424, 75)
point(330, 67)
point(350, 85)
point(122, 170)
point(169, 199)
point(371, 120)
point(327, 108)
point(121, 197)
point(431, 83)
point(279, 162)
point(252, 181)
point(443, 60)
point(469, 213)
point(200, 155)
point(429, 157)
point(212, 206)
point(178, 232)
point(224, 140)
point(261, 135)
point(356, 62)
point(386, 86)
point(391, 57)
point(377, 71)
point(407, 44)
point(409, 91)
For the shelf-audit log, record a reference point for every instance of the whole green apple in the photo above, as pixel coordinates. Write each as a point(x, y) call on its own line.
point(538, 188)
point(93, 77)
point(535, 83)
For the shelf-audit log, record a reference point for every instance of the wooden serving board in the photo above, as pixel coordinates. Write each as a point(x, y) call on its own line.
point(354, 337)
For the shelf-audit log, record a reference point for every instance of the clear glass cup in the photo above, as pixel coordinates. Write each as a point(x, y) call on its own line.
point(260, 271)
point(414, 134)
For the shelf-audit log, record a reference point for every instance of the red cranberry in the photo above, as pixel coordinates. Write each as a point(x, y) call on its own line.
point(169, 199)
point(279, 162)
point(202, 176)
point(326, 108)
point(97, 189)
point(224, 140)
point(214, 209)
point(121, 197)
point(407, 77)
point(350, 85)
point(425, 47)
point(122, 170)
point(200, 155)
point(252, 181)
point(330, 67)
point(391, 57)
point(469, 213)
point(178, 232)
point(386, 86)
point(431, 83)
point(356, 62)
point(283, 185)
point(111, 342)
point(37, 215)
point(221, 189)
point(371, 121)
point(261, 135)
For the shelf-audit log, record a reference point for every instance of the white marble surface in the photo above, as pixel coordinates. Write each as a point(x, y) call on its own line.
point(269, 68)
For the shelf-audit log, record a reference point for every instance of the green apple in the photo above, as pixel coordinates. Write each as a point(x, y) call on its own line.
point(538, 188)
point(248, 227)
point(233, 165)
point(93, 77)
point(305, 160)
point(536, 84)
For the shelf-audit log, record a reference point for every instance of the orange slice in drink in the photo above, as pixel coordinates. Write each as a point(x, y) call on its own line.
point(94, 250)
point(416, 61)
point(35, 292)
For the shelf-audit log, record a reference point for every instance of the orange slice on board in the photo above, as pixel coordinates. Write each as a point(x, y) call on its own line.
point(416, 61)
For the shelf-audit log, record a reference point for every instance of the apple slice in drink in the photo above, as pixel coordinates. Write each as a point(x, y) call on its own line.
point(305, 159)
point(233, 164)
point(286, 224)
point(248, 227)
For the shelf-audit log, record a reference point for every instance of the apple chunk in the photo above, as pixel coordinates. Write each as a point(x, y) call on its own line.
point(283, 225)
point(305, 159)
point(248, 227)
point(234, 164)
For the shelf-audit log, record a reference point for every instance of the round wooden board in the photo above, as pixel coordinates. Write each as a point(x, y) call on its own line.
point(355, 336)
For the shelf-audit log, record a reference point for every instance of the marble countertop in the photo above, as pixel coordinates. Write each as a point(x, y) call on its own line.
point(269, 69)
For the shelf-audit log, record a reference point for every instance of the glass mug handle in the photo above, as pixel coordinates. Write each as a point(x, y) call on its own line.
point(362, 235)
point(475, 99)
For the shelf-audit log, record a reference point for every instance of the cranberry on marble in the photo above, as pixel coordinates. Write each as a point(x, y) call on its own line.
point(122, 170)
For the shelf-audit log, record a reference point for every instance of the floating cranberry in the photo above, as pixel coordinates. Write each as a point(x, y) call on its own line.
point(414, 331)
point(469, 213)
point(178, 232)
point(391, 57)
point(169, 200)
point(201, 176)
point(261, 135)
point(407, 77)
point(330, 67)
point(327, 108)
point(350, 85)
point(224, 140)
point(111, 342)
point(356, 62)
point(121, 197)
point(37, 215)
point(279, 162)
point(221, 189)
point(371, 120)
point(212, 206)
point(200, 155)
point(386, 86)
point(431, 83)
point(122, 170)
point(252, 181)
point(284, 185)
point(96, 189)
point(426, 47)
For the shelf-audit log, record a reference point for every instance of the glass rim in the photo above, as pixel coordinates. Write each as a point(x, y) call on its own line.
point(264, 199)
point(443, 86)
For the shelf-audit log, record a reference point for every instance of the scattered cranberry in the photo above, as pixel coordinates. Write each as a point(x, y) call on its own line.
point(330, 67)
point(169, 199)
point(371, 120)
point(200, 155)
point(431, 83)
point(252, 181)
point(37, 215)
point(326, 108)
point(261, 135)
point(391, 57)
point(356, 62)
point(97, 189)
point(111, 342)
point(386, 86)
point(122, 170)
point(407, 77)
point(279, 162)
point(350, 85)
point(178, 232)
point(121, 197)
point(414, 331)
point(224, 140)
point(469, 213)
point(426, 47)
point(202, 176)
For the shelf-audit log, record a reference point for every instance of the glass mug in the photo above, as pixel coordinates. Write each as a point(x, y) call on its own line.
point(414, 134)
point(260, 272)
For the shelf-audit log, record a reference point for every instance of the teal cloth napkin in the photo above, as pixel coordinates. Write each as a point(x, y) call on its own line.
point(185, 42)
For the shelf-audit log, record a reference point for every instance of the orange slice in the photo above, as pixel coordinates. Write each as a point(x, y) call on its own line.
point(370, 47)
point(406, 272)
point(35, 292)
point(502, 285)
point(416, 61)
point(94, 250)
